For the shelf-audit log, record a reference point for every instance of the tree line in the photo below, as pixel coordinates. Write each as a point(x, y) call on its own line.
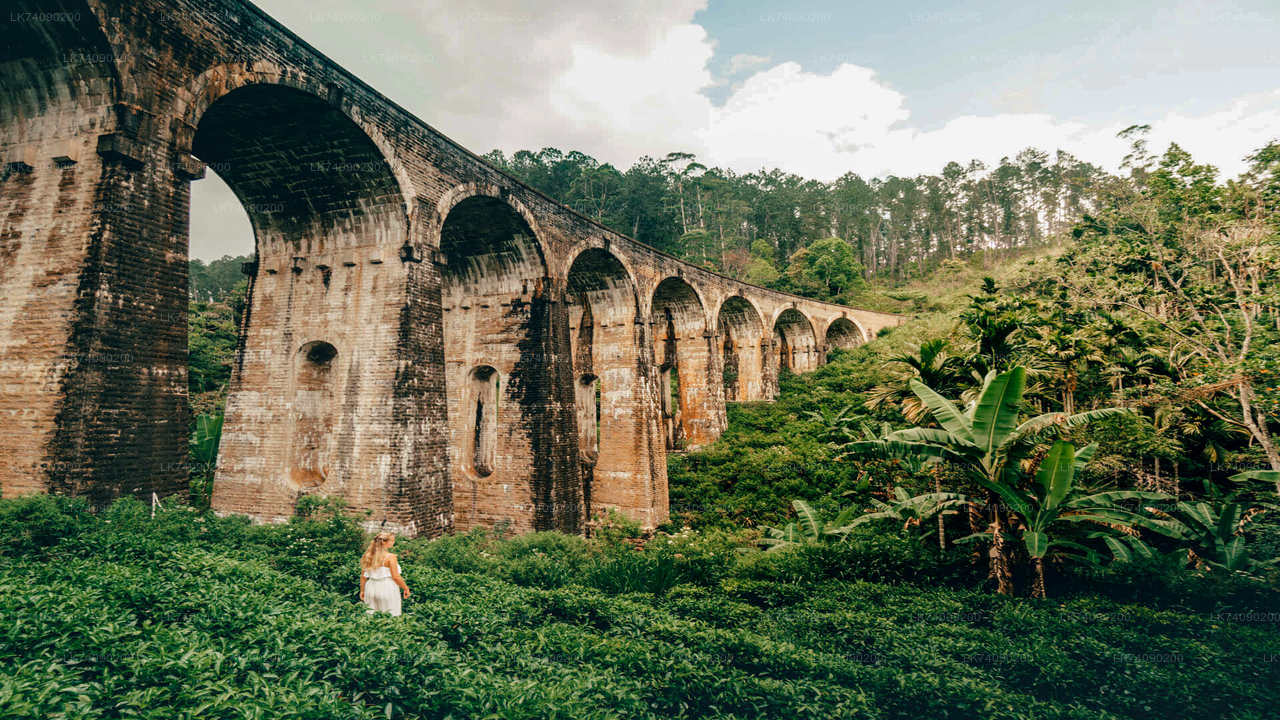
point(780, 230)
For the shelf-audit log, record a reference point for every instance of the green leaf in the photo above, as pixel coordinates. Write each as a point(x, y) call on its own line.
point(1057, 473)
point(809, 521)
point(1118, 549)
point(1037, 543)
point(1068, 422)
point(996, 414)
point(945, 412)
point(1271, 476)
point(1018, 501)
point(1084, 455)
point(1228, 520)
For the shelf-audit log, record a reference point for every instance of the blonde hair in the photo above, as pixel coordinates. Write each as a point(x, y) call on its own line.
point(376, 554)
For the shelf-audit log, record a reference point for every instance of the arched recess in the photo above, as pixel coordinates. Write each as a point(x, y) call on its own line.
point(740, 330)
point(484, 393)
point(842, 333)
point(328, 220)
point(614, 408)
point(313, 451)
point(690, 399)
point(796, 342)
point(498, 313)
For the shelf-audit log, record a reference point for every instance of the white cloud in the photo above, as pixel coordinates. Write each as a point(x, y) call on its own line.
point(622, 107)
point(822, 126)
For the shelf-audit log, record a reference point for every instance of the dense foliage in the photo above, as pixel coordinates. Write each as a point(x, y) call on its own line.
point(757, 226)
point(190, 615)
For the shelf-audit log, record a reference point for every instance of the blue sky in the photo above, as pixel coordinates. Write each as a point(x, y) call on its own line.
point(814, 88)
point(1093, 60)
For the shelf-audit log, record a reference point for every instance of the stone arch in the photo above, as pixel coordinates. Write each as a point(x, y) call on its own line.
point(740, 329)
point(218, 81)
point(797, 344)
point(344, 195)
point(843, 333)
point(327, 213)
point(577, 249)
point(470, 190)
point(614, 411)
point(499, 312)
point(676, 302)
point(691, 403)
point(599, 279)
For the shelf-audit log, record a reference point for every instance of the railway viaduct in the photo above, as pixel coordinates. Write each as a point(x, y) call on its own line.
point(425, 336)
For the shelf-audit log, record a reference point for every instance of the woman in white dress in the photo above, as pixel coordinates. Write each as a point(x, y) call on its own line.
point(380, 581)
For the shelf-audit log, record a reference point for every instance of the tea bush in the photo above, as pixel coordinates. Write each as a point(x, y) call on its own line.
point(190, 615)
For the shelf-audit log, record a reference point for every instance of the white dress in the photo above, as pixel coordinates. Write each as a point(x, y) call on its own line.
point(380, 592)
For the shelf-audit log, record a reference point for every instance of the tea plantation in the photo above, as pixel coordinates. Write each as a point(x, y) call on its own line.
point(116, 615)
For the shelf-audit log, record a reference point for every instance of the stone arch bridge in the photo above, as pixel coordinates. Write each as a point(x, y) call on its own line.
point(425, 336)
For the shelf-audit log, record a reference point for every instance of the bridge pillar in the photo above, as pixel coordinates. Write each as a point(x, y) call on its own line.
point(93, 275)
point(509, 372)
point(620, 443)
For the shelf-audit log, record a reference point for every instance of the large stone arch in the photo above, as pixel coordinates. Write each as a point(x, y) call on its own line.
point(740, 330)
point(329, 219)
point(796, 341)
point(617, 419)
point(499, 313)
point(691, 396)
point(217, 82)
point(310, 178)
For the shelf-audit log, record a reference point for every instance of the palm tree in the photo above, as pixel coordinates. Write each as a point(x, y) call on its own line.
point(1066, 350)
point(988, 444)
point(931, 365)
point(993, 322)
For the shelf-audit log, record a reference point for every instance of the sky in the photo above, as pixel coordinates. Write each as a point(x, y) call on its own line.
point(818, 88)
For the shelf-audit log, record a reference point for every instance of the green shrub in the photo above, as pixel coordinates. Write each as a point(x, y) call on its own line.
point(190, 615)
point(31, 524)
point(1165, 580)
point(863, 555)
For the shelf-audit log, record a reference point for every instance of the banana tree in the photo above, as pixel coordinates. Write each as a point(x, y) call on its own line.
point(204, 443)
point(1214, 532)
point(906, 509)
point(987, 442)
point(1053, 501)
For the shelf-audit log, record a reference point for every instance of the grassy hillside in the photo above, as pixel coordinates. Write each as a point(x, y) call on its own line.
point(188, 615)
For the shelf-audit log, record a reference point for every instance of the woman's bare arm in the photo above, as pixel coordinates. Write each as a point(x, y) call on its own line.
point(362, 580)
point(394, 565)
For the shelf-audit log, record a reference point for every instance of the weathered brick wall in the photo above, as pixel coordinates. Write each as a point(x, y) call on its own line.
point(366, 321)
point(92, 274)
